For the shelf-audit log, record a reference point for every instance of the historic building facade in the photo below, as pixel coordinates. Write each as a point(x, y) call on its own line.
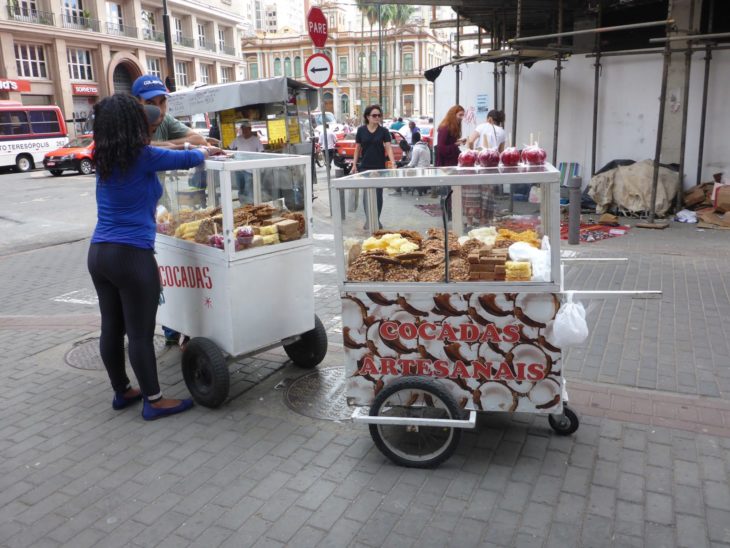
point(71, 52)
point(407, 53)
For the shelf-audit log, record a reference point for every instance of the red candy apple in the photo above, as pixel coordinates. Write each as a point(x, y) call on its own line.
point(510, 156)
point(468, 158)
point(488, 157)
point(533, 155)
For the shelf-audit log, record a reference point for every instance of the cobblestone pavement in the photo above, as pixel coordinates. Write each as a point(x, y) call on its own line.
point(649, 465)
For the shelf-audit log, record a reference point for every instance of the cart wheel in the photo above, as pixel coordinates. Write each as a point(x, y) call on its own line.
point(415, 446)
point(564, 424)
point(311, 347)
point(205, 372)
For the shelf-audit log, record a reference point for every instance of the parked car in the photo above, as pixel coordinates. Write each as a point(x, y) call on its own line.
point(345, 148)
point(77, 155)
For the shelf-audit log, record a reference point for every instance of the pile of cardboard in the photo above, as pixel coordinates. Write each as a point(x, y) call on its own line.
point(711, 201)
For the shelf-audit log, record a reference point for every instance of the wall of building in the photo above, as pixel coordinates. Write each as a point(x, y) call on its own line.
point(628, 108)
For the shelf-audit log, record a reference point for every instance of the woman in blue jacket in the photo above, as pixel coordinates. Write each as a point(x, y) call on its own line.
point(121, 257)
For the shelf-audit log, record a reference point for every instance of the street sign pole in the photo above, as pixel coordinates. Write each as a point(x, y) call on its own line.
point(318, 32)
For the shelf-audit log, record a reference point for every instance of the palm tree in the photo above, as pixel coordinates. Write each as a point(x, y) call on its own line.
point(387, 12)
point(401, 14)
point(369, 12)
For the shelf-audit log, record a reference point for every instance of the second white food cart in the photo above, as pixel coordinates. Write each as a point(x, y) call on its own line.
point(438, 323)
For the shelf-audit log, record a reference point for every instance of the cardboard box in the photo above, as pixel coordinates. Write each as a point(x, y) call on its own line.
point(722, 199)
point(694, 196)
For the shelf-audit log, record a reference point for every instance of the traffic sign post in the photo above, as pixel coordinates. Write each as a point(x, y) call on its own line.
point(318, 71)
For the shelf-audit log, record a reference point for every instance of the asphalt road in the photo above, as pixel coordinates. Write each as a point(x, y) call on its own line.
point(39, 210)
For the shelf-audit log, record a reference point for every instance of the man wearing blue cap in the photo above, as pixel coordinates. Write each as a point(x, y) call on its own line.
point(150, 90)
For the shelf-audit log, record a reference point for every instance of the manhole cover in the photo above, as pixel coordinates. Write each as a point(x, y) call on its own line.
point(319, 394)
point(85, 354)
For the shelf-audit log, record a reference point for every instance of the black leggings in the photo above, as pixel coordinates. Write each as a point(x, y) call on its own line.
point(128, 285)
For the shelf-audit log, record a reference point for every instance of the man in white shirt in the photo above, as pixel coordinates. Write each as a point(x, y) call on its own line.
point(488, 134)
point(331, 143)
point(247, 141)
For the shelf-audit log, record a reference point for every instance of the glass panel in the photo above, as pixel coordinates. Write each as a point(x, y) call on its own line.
point(44, 121)
point(483, 222)
point(268, 205)
point(14, 123)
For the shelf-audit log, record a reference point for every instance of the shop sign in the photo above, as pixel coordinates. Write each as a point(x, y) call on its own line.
point(84, 89)
point(22, 86)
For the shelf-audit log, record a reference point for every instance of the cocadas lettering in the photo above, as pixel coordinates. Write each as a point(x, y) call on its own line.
point(468, 332)
point(193, 277)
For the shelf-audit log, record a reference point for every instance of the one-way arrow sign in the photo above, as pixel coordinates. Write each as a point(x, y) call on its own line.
point(318, 70)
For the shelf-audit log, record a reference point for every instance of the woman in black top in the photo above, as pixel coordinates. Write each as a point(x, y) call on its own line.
point(372, 143)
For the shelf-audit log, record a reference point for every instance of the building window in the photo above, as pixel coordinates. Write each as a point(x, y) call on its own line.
point(344, 105)
point(24, 8)
point(79, 64)
point(373, 63)
point(408, 63)
point(153, 67)
point(201, 35)
point(253, 71)
point(114, 15)
point(181, 73)
point(30, 61)
point(73, 11)
point(343, 67)
point(178, 30)
point(204, 74)
point(221, 39)
point(277, 67)
point(148, 25)
point(297, 67)
point(226, 74)
point(287, 68)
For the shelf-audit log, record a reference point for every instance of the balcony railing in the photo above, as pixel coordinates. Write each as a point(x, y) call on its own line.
point(204, 44)
point(79, 22)
point(228, 50)
point(183, 41)
point(153, 35)
point(121, 30)
point(28, 15)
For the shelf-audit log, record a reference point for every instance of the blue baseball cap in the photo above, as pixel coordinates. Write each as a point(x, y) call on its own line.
point(148, 86)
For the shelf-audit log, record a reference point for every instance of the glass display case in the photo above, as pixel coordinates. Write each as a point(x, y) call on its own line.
point(451, 225)
point(239, 204)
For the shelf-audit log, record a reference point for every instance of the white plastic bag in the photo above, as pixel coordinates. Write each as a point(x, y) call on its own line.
point(570, 327)
point(535, 196)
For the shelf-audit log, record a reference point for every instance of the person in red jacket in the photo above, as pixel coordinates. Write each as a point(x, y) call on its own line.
point(449, 137)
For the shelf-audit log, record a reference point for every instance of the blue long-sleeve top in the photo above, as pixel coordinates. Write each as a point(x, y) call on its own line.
point(126, 202)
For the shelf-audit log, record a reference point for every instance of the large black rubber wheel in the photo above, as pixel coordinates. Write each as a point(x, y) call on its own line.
point(24, 162)
point(56, 172)
point(310, 348)
point(86, 167)
point(205, 372)
point(564, 424)
point(416, 446)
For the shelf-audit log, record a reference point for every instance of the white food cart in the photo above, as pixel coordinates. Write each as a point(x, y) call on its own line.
point(237, 291)
point(435, 334)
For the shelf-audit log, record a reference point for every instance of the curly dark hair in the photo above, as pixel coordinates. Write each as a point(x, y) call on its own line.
point(121, 131)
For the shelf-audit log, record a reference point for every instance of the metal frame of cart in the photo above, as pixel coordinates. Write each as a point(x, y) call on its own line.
point(240, 302)
point(414, 402)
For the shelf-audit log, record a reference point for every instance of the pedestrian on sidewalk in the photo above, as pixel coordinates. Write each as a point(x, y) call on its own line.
point(372, 143)
point(121, 257)
point(448, 140)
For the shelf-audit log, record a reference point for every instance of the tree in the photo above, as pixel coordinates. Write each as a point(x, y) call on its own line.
point(401, 13)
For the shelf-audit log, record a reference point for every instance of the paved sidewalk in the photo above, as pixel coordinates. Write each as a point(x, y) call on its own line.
point(649, 465)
